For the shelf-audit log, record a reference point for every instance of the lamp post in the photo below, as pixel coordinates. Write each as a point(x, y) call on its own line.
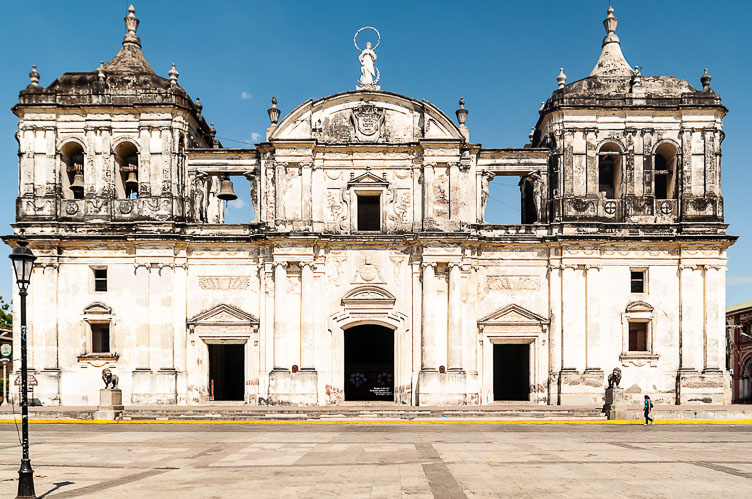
point(23, 261)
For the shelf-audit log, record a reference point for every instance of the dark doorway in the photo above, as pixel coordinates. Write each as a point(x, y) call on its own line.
point(369, 363)
point(226, 372)
point(511, 372)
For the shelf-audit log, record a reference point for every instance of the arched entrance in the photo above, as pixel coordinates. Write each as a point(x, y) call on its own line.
point(745, 384)
point(369, 363)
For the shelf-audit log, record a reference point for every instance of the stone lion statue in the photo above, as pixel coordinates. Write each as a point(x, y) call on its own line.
point(111, 379)
point(614, 378)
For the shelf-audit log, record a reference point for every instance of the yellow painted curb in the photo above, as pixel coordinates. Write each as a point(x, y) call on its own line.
point(386, 422)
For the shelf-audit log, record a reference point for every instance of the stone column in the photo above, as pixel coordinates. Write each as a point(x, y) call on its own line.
point(428, 329)
point(307, 343)
point(454, 318)
point(280, 340)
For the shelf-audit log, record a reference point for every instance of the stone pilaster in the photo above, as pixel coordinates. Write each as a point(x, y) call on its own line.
point(280, 336)
point(427, 329)
point(307, 339)
point(454, 319)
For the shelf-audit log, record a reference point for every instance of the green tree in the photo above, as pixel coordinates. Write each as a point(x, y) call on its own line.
point(6, 317)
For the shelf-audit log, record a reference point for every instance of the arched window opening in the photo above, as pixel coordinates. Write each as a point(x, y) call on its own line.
point(72, 155)
point(665, 169)
point(609, 171)
point(126, 158)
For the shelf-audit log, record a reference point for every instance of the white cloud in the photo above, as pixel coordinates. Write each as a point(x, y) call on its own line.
point(245, 95)
point(237, 204)
point(737, 280)
point(255, 137)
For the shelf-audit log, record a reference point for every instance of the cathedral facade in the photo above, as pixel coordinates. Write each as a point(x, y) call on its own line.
point(369, 271)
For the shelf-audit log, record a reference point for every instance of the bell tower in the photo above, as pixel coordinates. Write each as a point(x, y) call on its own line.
point(629, 148)
point(110, 145)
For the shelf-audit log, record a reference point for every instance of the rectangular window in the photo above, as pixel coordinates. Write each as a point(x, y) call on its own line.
point(100, 338)
point(638, 336)
point(638, 281)
point(100, 279)
point(369, 212)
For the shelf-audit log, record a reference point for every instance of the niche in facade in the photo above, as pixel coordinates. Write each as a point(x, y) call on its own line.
point(126, 160)
point(665, 171)
point(72, 155)
point(609, 171)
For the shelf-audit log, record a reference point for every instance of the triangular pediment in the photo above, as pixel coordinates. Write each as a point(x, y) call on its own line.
point(223, 315)
point(513, 314)
point(368, 178)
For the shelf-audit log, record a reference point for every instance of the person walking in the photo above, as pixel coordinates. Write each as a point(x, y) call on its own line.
point(648, 409)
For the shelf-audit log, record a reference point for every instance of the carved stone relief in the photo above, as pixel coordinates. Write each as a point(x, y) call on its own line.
point(512, 282)
point(223, 282)
point(368, 272)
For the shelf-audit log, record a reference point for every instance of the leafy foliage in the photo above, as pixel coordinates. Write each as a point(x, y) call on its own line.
point(6, 317)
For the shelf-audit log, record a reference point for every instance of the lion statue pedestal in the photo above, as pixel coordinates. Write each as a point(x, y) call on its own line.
point(110, 399)
point(615, 406)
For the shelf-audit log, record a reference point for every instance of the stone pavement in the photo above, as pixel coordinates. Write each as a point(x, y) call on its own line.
point(357, 460)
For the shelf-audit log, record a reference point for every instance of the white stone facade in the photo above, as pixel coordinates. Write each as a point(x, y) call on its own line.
point(291, 288)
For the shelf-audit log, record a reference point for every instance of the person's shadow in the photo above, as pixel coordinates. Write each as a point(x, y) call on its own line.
point(57, 485)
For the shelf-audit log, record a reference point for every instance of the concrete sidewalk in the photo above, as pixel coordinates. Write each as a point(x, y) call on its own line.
point(501, 411)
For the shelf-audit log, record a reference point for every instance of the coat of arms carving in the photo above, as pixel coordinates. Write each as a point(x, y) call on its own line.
point(368, 121)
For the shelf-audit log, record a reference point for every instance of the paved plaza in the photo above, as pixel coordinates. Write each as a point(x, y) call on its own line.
point(381, 460)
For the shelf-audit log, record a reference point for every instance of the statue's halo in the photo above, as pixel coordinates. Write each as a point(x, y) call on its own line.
point(355, 38)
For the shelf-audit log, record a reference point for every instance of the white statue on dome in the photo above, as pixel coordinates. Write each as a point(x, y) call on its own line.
point(367, 68)
point(369, 73)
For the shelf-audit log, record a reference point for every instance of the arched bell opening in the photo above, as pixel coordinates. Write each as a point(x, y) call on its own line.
point(665, 171)
point(609, 171)
point(72, 155)
point(126, 158)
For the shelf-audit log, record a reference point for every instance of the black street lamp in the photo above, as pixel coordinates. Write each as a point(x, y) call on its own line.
point(23, 261)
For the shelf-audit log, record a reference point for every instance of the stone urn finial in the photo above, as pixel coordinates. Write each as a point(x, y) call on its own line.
point(198, 106)
point(131, 26)
point(636, 77)
point(173, 74)
point(34, 75)
point(705, 80)
point(100, 72)
point(273, 112)
point(462, 112)
point(610, 22)
point(561, 80)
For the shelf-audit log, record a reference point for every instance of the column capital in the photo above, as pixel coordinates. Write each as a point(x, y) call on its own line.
point(284, 265)
point(451, 265)
point(429, 264)
point(310, 265)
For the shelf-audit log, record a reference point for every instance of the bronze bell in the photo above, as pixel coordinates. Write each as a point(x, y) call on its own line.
point(78, 184)
point(131, 183)
point(226, 192)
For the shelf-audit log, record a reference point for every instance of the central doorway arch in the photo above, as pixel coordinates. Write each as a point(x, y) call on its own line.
point(369, 363)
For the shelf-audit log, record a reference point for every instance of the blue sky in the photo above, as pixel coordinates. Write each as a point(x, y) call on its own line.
point(503, 57)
